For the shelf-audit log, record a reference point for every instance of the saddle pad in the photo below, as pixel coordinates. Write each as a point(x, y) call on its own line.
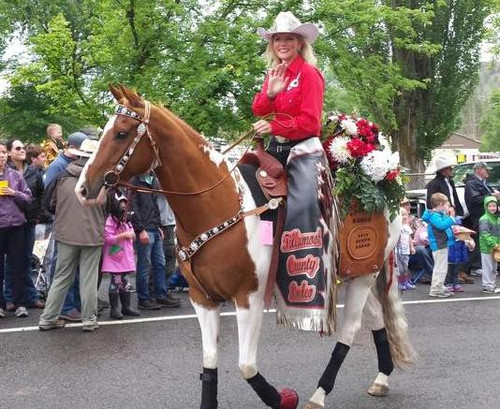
point(248, 172)
point(363, 238)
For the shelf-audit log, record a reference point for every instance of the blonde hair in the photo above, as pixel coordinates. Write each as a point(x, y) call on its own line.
point(438, 199)
point(50, 127)
point(306, 51)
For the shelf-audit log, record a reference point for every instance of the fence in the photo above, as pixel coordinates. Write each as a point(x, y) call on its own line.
point(418, 180)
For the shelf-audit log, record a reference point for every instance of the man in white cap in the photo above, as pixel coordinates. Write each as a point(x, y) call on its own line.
point(443, 183)
point(79, 235)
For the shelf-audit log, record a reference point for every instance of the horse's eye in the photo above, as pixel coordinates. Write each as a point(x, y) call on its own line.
point(122, 135)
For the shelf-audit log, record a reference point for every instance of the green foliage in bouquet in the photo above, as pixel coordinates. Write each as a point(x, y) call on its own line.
point(363, 166)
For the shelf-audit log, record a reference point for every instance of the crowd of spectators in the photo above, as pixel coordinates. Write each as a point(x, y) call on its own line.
point(449, 250)
point(84, 242)
point(124, 239)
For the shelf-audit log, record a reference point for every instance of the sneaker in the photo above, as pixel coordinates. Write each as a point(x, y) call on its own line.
point(168, 302)
point(73, 316)
point(402, 287)
point(91, 327)
point(10, 307)
point(57, 324)
point(172, 297)
point(489, 290)
point(410, 286)
point(148, 305)
point(443, 294)
point(476, 273)
point(2, 313)
point(21, 312)
point(457, 289)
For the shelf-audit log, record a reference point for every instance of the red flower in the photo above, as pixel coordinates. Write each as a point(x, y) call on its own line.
point(392, 174)
point(358, 148)
point(364, 128)
point(332, 162)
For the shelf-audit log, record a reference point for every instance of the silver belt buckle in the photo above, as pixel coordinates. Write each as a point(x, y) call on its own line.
point(281, 139)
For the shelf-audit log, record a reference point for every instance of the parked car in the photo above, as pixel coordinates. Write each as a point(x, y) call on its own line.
point(460, 173)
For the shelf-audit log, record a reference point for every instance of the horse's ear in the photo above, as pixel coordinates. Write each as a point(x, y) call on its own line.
point(117, 93)
point(133, 98)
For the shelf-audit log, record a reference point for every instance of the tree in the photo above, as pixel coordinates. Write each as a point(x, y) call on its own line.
point(407, 64)
point(490, 124)
point(412, 63)
point(202, 66)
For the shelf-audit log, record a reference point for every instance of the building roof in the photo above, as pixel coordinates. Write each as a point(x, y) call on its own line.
point(460, 141)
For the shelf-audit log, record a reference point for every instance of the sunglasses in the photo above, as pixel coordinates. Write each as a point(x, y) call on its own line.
point(19, 148)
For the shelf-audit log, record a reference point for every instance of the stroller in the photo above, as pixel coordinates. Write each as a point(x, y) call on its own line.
point(41, 260)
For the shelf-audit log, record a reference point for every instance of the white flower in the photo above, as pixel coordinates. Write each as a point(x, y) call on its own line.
point(394, 161)
point(350, 127)
point(376, 164)
point(384, 142)
point(338, 150)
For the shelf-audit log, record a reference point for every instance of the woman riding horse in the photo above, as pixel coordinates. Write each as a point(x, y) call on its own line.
point(220, 251)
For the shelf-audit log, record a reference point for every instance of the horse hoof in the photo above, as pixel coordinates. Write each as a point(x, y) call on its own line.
point(312, 405)
point(378, 390)
point(289, 399)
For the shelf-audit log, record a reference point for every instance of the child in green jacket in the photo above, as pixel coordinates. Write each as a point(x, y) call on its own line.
point(489, 239)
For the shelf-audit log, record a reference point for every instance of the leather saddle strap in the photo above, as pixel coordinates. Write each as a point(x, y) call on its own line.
point(273, 267)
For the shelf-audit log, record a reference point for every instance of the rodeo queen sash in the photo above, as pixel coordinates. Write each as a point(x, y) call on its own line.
point(305, 283)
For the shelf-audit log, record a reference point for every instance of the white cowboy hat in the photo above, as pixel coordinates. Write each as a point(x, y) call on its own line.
point(443, 162)
point(87, 148)
point(286, 22)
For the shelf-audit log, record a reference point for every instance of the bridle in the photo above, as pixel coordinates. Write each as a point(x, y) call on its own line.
point(112, 177)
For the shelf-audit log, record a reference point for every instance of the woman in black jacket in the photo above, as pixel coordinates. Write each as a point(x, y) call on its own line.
point(34, 215)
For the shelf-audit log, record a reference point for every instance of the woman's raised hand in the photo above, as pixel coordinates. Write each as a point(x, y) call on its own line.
point(276, 81)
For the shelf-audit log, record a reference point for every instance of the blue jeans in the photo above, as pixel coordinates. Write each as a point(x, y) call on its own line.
point(148, 255)
point(422, 259)
point(30, 291)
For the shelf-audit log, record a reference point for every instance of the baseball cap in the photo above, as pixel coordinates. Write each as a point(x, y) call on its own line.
point(481, 165)
point(76, 139)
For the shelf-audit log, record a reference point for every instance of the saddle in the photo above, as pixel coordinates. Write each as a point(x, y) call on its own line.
point(271, 174)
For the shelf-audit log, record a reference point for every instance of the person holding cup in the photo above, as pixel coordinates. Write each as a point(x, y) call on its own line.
point(14, 194)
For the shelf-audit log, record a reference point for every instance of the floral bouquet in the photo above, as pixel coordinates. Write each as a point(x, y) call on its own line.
point(363, 165)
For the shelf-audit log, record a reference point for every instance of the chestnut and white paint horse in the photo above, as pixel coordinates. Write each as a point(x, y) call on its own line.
point(232, 265)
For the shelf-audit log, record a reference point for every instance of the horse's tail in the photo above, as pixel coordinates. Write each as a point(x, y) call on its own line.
point(395, 320)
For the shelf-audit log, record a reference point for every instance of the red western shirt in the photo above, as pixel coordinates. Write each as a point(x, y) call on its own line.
point(302, 99)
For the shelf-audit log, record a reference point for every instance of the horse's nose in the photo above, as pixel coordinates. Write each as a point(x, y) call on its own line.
point(83, 191)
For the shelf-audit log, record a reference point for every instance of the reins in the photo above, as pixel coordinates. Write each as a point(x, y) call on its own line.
point(143, 128)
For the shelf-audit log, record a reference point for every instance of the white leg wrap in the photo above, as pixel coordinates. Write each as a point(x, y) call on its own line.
point(318, 397)
point(382, 379)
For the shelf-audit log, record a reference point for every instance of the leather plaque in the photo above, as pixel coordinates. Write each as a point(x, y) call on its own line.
point(363, 238)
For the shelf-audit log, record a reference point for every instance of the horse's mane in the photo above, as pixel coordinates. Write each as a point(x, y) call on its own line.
point(196, 136)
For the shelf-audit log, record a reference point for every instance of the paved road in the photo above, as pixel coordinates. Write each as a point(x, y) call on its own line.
point(155, 364)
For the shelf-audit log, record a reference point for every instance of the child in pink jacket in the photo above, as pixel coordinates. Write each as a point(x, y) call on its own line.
point(118, 257)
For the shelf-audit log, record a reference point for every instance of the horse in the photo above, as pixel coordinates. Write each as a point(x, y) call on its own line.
point(208, 199)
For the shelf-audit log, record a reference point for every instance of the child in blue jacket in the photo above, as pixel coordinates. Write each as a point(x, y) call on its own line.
point(440, 238)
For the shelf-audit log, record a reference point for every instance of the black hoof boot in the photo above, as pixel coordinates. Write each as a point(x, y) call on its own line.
point(208, 389)
point(267, 392)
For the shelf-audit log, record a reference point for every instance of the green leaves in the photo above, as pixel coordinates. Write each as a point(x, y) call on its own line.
point(408, 65)
point(351, 184)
